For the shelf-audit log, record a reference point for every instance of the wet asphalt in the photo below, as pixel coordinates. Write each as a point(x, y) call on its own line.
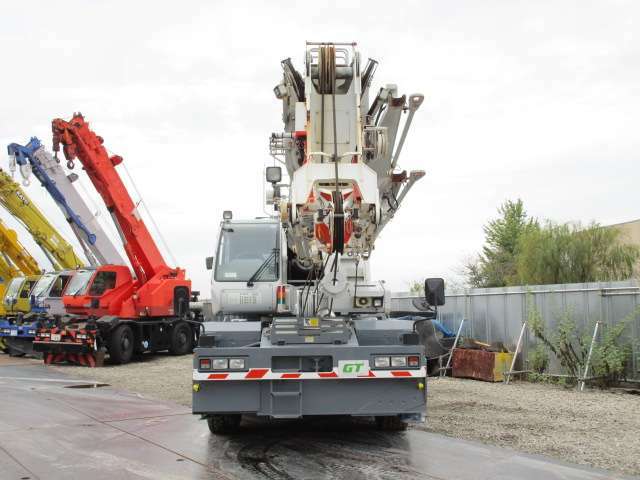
point(92, 431)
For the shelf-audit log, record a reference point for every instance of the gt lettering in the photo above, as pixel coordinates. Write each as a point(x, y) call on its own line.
point(352, 367)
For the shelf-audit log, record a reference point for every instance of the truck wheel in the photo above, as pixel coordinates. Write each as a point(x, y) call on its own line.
point(121, 344)
point(181, 339)
point(223, 424)
point(391, 424)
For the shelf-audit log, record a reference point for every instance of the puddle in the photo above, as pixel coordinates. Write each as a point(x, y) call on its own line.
point(88, 385)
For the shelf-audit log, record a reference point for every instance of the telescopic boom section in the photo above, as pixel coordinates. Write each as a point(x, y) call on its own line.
point(79, 142)
point(33, 158)
point(57, 250)
point(11, 247)
point(158, 291)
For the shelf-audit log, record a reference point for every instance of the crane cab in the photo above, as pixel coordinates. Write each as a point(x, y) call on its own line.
point(248, 266)
point(100, 292)
point(47, 295)
point(18, 293)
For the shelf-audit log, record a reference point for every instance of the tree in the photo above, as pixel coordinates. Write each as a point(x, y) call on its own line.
point(497, 264)
point(569, 253)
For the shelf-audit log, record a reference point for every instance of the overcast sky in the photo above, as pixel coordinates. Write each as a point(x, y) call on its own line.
point(536, 100)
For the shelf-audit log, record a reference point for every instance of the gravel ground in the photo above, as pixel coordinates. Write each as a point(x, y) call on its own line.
point(595, 428)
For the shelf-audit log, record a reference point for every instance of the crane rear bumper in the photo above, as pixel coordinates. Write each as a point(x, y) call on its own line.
point(347, 382)
point(62, 347)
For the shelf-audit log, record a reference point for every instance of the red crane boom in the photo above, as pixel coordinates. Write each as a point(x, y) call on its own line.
point(79, 142)
point(153, 292)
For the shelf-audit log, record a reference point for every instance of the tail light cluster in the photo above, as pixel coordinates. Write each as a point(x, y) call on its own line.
point(222, 363)
point(281, 299)
point(396, 361)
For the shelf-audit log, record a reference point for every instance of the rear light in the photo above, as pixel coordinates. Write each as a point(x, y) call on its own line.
point(281, 299)
point(205, 364)
point(280, 294)
point(381, 362)
point(236, 364)
point(220, 363)
point(413, 361)
point(398, 361)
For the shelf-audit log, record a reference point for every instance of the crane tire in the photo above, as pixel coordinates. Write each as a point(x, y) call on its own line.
point(391, 423)
point(223, 424)
point(181, 339)
point(121, 343)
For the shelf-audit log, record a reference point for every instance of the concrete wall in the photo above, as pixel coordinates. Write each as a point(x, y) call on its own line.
point(497, 314)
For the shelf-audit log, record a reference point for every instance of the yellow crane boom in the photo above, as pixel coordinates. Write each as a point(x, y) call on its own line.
point(15, 261)
point(18, 259)
point(7, 269)
point(59, 252)
point(7, 272)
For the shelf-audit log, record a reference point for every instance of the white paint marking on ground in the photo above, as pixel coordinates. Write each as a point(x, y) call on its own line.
point(59, 380)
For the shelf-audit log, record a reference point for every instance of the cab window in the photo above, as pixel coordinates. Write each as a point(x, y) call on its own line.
point(102, 282)
point(244, 249)
point(59, 285)
point(26, 289)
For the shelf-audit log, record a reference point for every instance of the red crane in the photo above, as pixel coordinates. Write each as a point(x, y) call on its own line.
point(146, 310)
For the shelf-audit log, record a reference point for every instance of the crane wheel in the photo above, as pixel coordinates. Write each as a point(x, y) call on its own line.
point(391, 424)
point(224, 424)
point(121, 344)
point(181, 339)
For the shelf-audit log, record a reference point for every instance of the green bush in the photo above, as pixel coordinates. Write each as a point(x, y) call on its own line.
point(570, 345)
point(610, 357)
point(539, 359)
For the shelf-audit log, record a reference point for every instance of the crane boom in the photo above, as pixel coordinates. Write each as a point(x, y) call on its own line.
point(7, 269)
point(14, 253)
point(15, 263)
point(33, 157)
point(59, 252)
point(78, 141)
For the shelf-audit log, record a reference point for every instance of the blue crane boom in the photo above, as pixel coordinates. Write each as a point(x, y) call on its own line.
point(34, 158)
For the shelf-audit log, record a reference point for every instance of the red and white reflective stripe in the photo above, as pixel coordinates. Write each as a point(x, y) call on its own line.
point(267, 374)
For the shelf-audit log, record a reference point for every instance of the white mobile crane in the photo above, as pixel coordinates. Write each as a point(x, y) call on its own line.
point(317, 336)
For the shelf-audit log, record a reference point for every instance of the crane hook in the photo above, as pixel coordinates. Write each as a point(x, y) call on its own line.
point(70, 164)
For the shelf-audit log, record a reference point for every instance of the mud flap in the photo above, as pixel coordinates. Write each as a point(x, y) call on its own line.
point(91, 360)
point(19, 347)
